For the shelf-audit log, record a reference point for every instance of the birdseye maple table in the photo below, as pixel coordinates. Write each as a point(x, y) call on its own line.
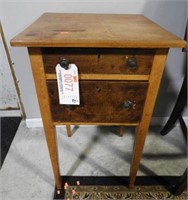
point(120, 60)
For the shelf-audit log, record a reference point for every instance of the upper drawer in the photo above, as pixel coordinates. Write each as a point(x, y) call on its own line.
point(101, 61)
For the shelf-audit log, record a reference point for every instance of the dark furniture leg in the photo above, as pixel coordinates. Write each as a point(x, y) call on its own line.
point(175, 115)
point(181, 185)
point(183, 127)
point(179, 106)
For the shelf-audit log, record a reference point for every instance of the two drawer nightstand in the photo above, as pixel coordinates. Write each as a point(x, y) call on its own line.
point(120, 60)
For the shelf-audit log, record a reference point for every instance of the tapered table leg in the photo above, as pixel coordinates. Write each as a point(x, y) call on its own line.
point(68, 128)
point(121, 131)
point(43, 99)
point(142, 129)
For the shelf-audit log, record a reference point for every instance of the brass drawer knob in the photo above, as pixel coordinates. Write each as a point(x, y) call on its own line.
point(64, 62)
point(127, 105)
point(132, 63)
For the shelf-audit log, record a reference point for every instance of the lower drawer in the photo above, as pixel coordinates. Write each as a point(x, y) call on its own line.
point(102, 102)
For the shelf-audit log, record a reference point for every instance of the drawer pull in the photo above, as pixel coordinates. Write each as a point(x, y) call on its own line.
point(132, 63)
point(64, 63)
point(127, 105)
point(67, 106)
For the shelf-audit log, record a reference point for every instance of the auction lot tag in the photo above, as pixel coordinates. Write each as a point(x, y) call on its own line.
point(68, 85)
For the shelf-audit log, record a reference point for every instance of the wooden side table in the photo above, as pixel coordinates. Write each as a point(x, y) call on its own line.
point(120, 59)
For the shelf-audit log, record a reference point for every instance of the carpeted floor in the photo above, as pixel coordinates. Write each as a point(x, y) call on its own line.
point(9, 126)
point(116, 187)
point(120, 192)
point(91, 151)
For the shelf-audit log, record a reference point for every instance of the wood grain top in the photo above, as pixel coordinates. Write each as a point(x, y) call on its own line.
point(96, 30)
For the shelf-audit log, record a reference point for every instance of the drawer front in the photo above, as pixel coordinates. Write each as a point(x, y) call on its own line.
point(101, 61)
point(101, 101)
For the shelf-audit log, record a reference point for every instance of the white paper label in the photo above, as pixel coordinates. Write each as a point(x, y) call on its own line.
point(68, 85)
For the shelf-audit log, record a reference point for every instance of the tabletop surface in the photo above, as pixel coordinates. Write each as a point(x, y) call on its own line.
point(96, 30)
